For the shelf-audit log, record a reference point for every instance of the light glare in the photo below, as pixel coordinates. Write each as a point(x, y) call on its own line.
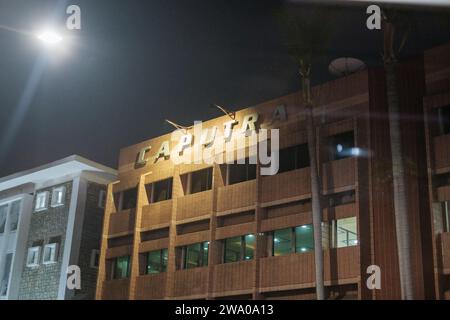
point(49, 37)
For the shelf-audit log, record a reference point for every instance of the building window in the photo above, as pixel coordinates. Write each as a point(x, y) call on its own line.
point(160, 190)
point(446, 216)
point(33, 256)
point(299, 239)
point(125, 200)
point(199, 181)
point(342, 146)
point(14, 215)
point(239, 248)
point(3, 215)
point(6, 273)
point(344, 232)
point(195, 255)
point(58, 195)
point(241, 172)
point(157, 261)
point(95, 259)
point(41, 201)
point(101, 199)
point(292, 158)
point(50, 254)
point(121, 267)
point(444, 120)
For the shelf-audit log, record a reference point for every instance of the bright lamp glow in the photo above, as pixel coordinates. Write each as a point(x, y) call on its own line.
point(49, 37)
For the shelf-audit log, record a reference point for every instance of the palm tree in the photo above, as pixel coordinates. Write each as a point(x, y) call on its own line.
point(393, 25)
point(307, 33)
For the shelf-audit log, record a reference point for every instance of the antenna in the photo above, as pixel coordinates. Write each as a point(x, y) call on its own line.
point(231, 114)
point(177, 126)
point(342, 67)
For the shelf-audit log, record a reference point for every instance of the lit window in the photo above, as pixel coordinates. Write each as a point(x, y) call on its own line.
point(50, 253)
point(33, 256)
point(3, 214)
point(239, 248)
point(304, 238)
point(7, 271)
point(58, 195)
point(282, 242)
point(101, 199)
point(195, 255)
point(121, 267)
point(345, 233)
point(95, 259)
point(41, 201)
point(157, 261)
point(14, 215)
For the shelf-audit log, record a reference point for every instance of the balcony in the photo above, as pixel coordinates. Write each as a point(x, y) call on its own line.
point(116, 289)
point(234, 278)
point(190, 282)
point(194, 205)
point(122, 222)
point(293, 185)
point(445, 245)
point(151, 286)
point(442, 153)
point(297, 270)
point(237, 197)
point(156, 215)
point(338, 174)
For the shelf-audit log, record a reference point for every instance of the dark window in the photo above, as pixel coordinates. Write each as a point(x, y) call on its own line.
point(121, 267)
point(341, 145)
point(446, 216)
point(201, 180)
point(195, 255)
point(299, 239)
point(157, 261)
point(241, 172)
point(162, 190)
point(293, 158)
point(129, 198)
point(444, 120)
point(3, 215)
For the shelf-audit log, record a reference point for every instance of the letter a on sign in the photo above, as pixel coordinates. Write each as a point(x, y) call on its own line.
point(73, 22)
point(374, 20)
point(74, 278)
point(374, 281)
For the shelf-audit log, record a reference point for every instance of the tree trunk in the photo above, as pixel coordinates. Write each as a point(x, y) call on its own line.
point(315, 187)
point(398, 169)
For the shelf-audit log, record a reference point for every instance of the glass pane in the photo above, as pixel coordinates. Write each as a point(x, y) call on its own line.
point(201, 180)
point(346, 232)
point(341, 145)
point(122, 267)
point(7, 271)
point(162, 190)
point(129, 199)
point(250, 241)
point(233, 249)
point(282, 242)
point(192, 258)
point(3, 212)
point(14, 215)
point(154, 262)
point(205, 253)
point(165, 258)
point(304, 238)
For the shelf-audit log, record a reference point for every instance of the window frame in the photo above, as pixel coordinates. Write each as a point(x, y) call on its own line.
point(163, 266)
point(35, 263)
point(53, 253)
point(293, 240)
point(201, 255)
point(94, 253)
point(243, 249)
point(55, 192)
point(101, 203)
point(46, 198)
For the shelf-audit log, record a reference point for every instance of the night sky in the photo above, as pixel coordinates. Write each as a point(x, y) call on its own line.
point(135, 63)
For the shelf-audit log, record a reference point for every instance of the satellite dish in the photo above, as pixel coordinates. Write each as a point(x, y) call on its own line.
point(344, 66)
